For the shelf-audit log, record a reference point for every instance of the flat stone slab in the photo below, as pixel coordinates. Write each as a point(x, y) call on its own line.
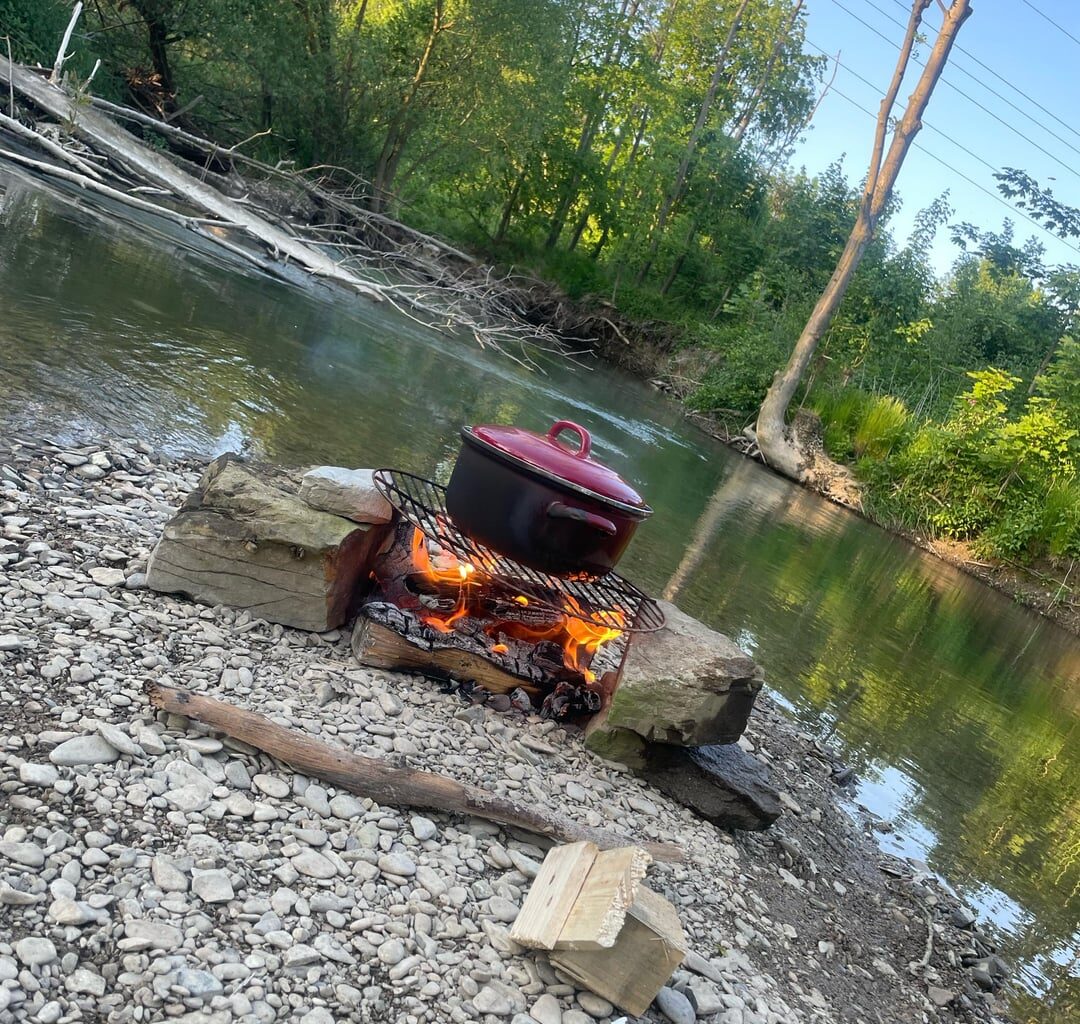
point(346, 492)
point(244, 538)
point(723, 784)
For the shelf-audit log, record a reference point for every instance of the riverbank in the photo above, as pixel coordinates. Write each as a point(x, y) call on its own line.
point(173, 873)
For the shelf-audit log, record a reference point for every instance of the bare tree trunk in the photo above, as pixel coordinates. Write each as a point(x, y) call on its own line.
point(508, 208)
point(780, 450)
point(396, 135)
point(593, 120)
point(678, 186)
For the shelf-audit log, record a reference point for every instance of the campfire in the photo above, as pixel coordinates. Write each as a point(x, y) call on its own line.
point(549, 643)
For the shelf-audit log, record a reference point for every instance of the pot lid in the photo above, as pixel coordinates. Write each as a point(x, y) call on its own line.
point(556, 459)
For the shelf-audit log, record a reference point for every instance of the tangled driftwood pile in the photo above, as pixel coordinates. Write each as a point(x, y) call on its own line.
point(274, 216)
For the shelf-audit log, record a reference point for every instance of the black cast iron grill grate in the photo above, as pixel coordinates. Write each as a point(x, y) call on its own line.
point(608, 600)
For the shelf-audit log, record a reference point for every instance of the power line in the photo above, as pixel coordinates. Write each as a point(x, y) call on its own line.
point(1060, 28)
point(1016, 131)
point(926, 124)
point(989, 70)
point(961, 174)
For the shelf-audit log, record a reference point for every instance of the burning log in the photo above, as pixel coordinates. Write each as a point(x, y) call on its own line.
point(371, 777)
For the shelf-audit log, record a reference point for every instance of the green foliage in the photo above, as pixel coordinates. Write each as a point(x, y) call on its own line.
point(1008, 483)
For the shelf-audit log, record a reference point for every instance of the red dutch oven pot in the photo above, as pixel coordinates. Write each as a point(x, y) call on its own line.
point(540, 502)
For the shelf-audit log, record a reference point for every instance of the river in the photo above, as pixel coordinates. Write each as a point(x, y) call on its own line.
point(958, 708)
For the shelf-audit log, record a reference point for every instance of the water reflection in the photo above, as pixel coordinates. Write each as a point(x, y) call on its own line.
point(958, 708)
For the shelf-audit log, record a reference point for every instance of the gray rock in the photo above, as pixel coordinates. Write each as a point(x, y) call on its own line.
point(313, 864)
point(116, 737)
point(104, 576)
point(423, 828)
point(503, 910)
point(940, 996)
point(29, 855)
point(189, 798)
point(37, 774)
point(200, 985)
point(10, 897)
point(50, 1013)
point(35, 952)
point(15, 642)
point(704, 996)
point(431, 880)
point(92, 748)
point(685, 684)
point(245, 539)
point(86, 982)
point(345, 492)
point(345, 807)
point(320, 1015)
point(594, 1005)
point(675, 1006)
point(212, 886)
point(397, 864)
point(73, 912)
point(546, 1010)
point(723, 784)
point(271, 785)
point(142, 934)
point(499, 999)
point(391, 952)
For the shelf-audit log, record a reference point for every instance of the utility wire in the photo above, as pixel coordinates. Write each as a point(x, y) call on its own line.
point(989, 70)
point(925, 123)
point(1016, 131)
point(961, 174)
point(1061, 28)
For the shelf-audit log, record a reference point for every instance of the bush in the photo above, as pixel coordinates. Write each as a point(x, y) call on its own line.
point(1008, 485)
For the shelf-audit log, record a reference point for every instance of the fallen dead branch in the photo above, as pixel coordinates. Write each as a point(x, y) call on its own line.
point(335, 236)
point(371, 777)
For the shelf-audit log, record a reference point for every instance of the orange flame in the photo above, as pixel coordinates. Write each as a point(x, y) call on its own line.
point(579, 640)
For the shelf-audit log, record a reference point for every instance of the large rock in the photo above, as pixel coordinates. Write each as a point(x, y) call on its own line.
point(723, 784)
point(346, 492)
point(685, 684)
point(245, 538)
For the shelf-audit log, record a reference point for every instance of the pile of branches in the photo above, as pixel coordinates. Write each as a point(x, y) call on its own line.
point(280, 219)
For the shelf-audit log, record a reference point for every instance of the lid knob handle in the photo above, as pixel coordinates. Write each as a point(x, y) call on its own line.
point(585, 441)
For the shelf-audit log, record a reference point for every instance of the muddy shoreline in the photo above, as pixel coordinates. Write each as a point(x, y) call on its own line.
point(808, 921)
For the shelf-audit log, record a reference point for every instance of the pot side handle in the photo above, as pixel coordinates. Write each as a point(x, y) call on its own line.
point(560, 510)
point(584, 437)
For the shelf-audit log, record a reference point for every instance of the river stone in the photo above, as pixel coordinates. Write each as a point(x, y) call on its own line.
point(167, 876)
point(722, 784)
point(92, 748)
point(37, 774)
point(29, 855)
point(705, 997)
point(35, 951)
point(685, 684)
point(141, 934)
point(244, 538)
point(500, 999)
point(345, 492)
point(546, 1010)
point(313, 864)
point(675, 1006)
point(212, 886)
point(594, 1005)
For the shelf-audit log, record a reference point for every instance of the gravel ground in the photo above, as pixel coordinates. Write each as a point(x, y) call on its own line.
point(150, 870)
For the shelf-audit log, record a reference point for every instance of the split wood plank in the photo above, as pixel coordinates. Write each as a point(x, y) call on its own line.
point(374, 778)
point(376, 646)
point(598, 913)
point(630, 974)
point(552, 895)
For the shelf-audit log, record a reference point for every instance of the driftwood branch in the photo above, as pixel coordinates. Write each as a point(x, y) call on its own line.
point(372, 777)
point(47, 144)
point(61, 54)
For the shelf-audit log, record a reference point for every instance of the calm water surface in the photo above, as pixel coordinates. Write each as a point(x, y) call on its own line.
point(959, 709)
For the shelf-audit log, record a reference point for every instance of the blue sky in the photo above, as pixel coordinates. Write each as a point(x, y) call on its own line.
point(1009, 37)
